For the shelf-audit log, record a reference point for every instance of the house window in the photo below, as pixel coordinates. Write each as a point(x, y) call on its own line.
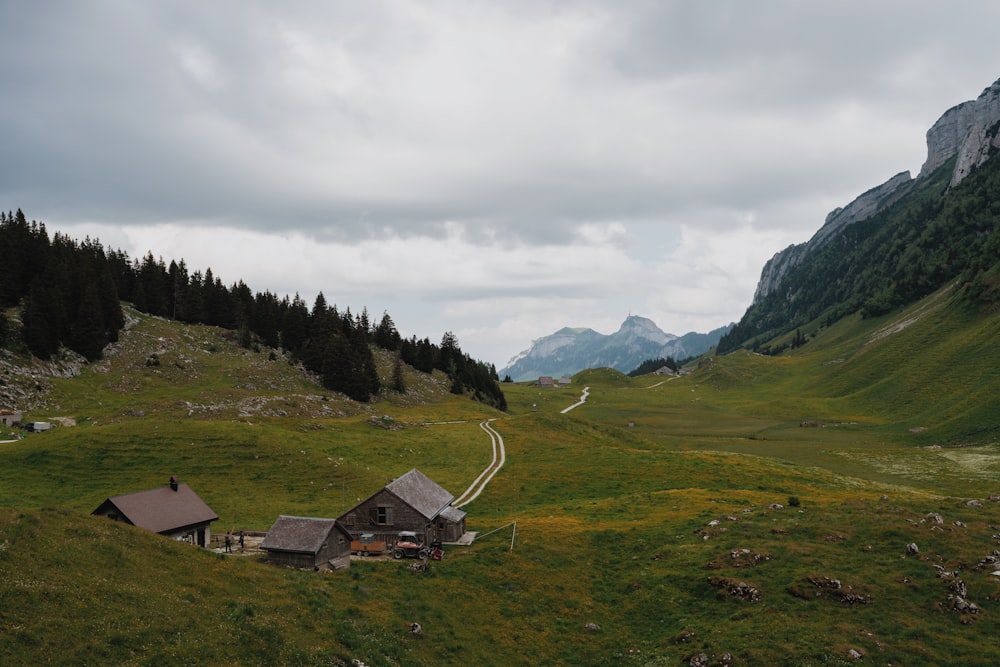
point(381, 515)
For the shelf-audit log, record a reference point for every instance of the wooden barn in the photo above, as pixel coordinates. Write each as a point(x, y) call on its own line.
point(308, 543)
point(173, 510)
point(411, 502)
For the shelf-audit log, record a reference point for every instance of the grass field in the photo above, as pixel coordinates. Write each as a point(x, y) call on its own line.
point(647, 523)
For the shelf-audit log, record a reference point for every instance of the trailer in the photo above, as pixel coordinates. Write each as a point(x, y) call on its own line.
point(367, 545)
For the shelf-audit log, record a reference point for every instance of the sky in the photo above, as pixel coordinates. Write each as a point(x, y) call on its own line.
point(499, 170)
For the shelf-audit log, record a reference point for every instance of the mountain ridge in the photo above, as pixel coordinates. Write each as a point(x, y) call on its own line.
point(968, 132)
point(573, 349)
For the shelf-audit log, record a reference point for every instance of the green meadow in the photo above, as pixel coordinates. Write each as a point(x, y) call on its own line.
point(756, 510)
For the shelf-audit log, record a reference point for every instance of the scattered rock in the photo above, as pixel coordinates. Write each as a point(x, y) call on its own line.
point(775, 506)
point(684, 635)
point(855, 654)
point(975, 503)
point(415, 629)
point(699, 660)
point(747, 558)
point(935, 517)
point(736, 588)
point(592, 627)
point(912, 549)
point(962, 606)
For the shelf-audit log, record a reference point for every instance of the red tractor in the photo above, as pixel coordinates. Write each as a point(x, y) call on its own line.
point(408, 545)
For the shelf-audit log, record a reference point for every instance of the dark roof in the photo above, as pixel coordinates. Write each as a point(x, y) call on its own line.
point(300, 534)
point(452, 514)
point(162, 510)
point(421, 493)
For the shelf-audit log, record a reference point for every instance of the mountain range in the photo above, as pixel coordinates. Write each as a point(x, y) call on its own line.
point(895, 243)
point(571, 350)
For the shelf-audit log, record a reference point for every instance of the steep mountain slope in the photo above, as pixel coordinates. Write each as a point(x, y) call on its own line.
point(569, 351)
point(895, 243)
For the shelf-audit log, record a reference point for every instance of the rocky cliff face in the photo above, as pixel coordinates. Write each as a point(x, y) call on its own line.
point(862, 208)
point(970, 132)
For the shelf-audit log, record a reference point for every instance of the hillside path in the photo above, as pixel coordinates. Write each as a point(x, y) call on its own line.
point(583, 399)
point(499, 458)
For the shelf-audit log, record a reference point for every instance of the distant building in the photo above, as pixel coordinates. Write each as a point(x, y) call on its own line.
point(565, 380)
point(546, 381)
point(308, 543)
point(411, 502)
point(173, 510)
point(9, 418)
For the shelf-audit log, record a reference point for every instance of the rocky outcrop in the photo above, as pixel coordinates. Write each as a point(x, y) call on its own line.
point(862, 208)
point(969, 132)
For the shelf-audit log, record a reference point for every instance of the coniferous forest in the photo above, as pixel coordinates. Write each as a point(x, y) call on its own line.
point(70, 295)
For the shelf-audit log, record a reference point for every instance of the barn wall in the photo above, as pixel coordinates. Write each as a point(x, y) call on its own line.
point(402, 517)
point(450, 531)
point(292, 559)
point(337, 548)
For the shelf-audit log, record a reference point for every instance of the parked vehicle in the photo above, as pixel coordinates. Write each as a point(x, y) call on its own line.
point(409, 545)
point(367, 545)
point(37, 427)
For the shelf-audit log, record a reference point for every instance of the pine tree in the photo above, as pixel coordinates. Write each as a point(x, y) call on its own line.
point(87, 334)
point(38, 330)
point(398, 382)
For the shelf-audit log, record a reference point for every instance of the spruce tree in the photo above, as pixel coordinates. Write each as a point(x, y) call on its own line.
point(87, 334)
point(398, 382)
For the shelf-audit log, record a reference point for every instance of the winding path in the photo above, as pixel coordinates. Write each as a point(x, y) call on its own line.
point(583, 399)
point(499, 458)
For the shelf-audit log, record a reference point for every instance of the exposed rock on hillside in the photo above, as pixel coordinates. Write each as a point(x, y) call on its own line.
point(969, 132)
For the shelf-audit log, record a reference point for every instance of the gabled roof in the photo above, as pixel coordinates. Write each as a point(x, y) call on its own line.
point(421, 493)
point(300, 534)
point(161, 510)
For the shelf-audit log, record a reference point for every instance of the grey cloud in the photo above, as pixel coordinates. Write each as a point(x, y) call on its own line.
point(137, 113)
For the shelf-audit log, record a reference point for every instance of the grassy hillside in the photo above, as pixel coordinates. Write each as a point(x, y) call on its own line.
point(648, 526)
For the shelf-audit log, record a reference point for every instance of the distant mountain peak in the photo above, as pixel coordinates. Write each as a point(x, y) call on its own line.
point(571, 350)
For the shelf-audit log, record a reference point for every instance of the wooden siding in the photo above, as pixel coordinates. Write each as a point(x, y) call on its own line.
point(396, 514)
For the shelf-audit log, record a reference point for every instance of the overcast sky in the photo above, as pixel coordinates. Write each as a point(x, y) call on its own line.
point(495, 169)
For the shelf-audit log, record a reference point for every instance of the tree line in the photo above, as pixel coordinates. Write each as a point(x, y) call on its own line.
point(70, 294)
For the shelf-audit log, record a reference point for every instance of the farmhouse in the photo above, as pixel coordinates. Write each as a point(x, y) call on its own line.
point(308, 543)
point(173, 510)
point(411, 502)
point(9, 418)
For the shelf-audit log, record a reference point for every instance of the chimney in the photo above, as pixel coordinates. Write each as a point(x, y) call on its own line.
point(173, 482)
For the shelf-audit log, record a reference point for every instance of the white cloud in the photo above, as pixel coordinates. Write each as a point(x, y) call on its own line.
point(499, 170)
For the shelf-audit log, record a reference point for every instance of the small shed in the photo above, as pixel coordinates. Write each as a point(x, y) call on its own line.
point(173, 510)
point(9, 418)
point(412, 502)
point(308, 543)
